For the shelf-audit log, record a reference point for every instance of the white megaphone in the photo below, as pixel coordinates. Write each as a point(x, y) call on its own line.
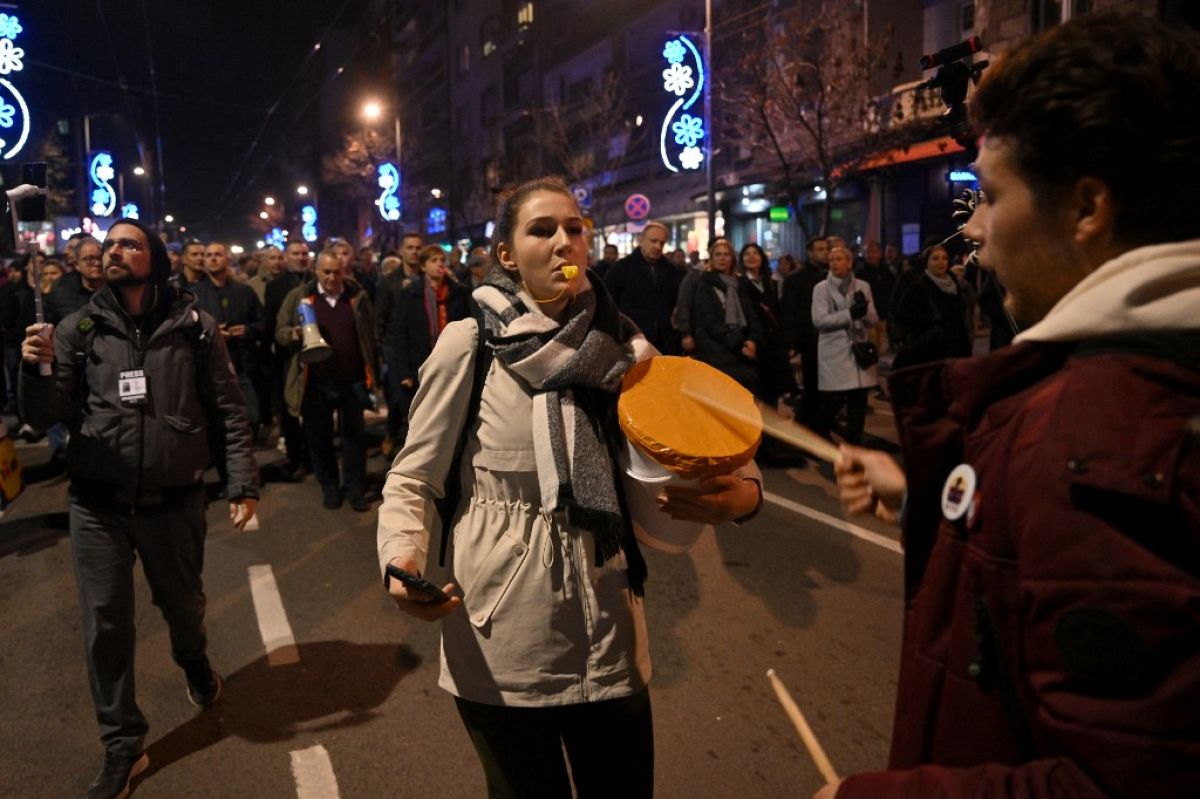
point(315, 348)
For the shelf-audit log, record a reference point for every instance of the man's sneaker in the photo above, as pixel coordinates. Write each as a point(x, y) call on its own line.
point(203, 684)
point(360, 503)
point(119, 770)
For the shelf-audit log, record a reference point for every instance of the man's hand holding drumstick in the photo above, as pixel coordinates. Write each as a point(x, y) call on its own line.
point(869, 481)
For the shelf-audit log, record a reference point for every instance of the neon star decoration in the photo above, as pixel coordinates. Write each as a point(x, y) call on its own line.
point(101, 172)
point(308, 216)
point(388, 201)
point(688, 129)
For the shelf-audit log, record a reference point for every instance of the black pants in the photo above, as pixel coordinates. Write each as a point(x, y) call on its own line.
point(610, 746)
point(105, 542)
point(810, 400)
point(855, 401)
point(399, 401)
point(321, 399)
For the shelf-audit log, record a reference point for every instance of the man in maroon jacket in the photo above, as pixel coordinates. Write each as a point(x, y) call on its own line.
point(1051, 493)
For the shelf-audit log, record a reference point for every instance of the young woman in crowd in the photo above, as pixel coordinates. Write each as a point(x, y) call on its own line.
point(775, 379)
point(843, 311)
point(545, 650)
point(724, 321)
point(931, 315)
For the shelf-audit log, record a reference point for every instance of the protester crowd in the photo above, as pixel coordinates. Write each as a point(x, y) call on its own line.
point(1008, 685)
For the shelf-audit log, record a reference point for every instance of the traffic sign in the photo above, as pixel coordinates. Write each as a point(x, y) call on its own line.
point(637, 207)
point(583, 195)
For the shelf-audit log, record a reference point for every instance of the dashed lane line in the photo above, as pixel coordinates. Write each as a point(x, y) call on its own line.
point(272, 619)
point(836, 523)
point(313, 773)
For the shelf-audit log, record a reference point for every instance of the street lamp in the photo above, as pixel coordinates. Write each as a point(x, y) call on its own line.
point(372, 110)
point(139, 171)
point(168, 219)
point(268, 200)
point(302, 190)
point(262, 214)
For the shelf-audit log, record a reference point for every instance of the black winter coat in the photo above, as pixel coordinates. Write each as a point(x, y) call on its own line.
point(67, 297)
point(795, 308)
point(408, 339)
point(717, 344)
point(932, 324)
point(646, 293)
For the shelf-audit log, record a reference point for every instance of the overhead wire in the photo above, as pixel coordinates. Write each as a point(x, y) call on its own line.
point(216, 210)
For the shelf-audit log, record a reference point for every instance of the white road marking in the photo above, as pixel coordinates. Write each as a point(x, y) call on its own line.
point(272, 620)
point(313, 772)
point(836, 523)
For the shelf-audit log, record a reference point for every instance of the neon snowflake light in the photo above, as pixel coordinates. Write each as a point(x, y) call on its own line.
point(101, 172)
point(276, 238)
point(686, 83)
point(388, 201)
point(14, 113)
point(130, 211)
point(308, 216)
point(10, 27)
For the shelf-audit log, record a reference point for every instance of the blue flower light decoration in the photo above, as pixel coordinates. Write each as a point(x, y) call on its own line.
point(10, 27)
point(7, 112)
point(688, 130)
point(674, 52)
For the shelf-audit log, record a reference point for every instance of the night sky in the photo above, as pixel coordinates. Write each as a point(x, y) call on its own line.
point(220, 65)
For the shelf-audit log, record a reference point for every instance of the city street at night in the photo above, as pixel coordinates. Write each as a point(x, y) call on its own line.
point(792, 590)
point(599, 399)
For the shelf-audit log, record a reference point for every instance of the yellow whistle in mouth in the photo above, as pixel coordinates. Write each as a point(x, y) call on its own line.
point(570, 271)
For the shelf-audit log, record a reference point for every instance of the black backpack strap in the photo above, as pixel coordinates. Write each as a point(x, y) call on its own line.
point(452, 492)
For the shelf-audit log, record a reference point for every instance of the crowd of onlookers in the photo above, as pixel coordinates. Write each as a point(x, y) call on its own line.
point(806, 336)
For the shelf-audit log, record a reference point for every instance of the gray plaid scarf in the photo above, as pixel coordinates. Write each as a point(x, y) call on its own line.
point(574, 369)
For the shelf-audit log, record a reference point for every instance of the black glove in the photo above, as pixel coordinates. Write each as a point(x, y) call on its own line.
point(858, 308)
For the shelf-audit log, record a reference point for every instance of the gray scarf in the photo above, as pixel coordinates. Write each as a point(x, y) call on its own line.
point(945, 283)
point(735, 319)
point(570, 367)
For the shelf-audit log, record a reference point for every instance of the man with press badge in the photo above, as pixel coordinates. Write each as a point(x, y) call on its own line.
point(139, 375)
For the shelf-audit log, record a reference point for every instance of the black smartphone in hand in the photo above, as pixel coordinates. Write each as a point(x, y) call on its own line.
point(34, 208)
point(419, 583)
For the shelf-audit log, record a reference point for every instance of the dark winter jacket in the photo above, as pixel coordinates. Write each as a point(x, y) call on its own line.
point(16, 311)
point(132, 454)
point(237, 304)
point(883, 284)
point(931, 324)
point(795, 308)
point(67, 297)
point(717, 344)
point(287, 338)
point(408, 340)
point(1052, 633)
point(646, 293)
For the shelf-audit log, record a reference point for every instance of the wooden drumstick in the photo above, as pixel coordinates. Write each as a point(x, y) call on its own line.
point(792, 433)
point(806, 734)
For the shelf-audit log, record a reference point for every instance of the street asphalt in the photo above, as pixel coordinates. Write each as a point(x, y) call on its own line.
point(358, 696)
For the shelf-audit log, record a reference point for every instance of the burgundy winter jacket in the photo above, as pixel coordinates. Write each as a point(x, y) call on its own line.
point(1052, 635)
